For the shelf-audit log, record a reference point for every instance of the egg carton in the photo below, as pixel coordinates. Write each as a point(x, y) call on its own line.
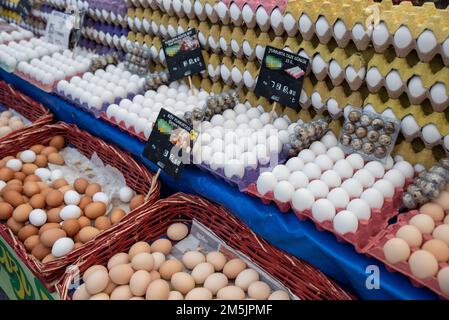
point(419, 81)
point(13, 33)
point(121, 125)
point(376, 251)
point(108, 35)
point(110, 12)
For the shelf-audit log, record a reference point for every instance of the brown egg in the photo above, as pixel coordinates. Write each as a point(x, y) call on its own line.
point(259, 290)
point(33, 178)
point(433, 210)
point(92, 189)
point(84, 202)
point(217, 259)
point(6, 210)
point(102, 223)
point(59, 183)
point(14, 225)
point(77, 245)
point(49, 237)
point(64, 189)
point(29, 168)
point(48, 258)
point(231, 293)
point(177, 231)
point(442, 232)
point(161, 245)
point(49, 150)
point(12, 186)
point(116, 215)
point(88, 233)
point(54, 198)
point(136, 201)
point(169, 268)
point(143, 261)
point(19, 176)
point(139, 247)
point(37, 148)
point(31, 242)
point(56, 158)
point(155, 275)
point(43, 186)
point(139, 282)
point(158, 290)
point(81, 185)
point(111, 286)
point(38, 201)
point(423, 222)
point(14, 198)
point(27, 231)
point(41, 161)
point(121, 274)
point(91, 270)
point(97, 281)
point(14, 182)
point(438, 248)
point(22, 212)
point(121, 293)
point(95, 210)
point(117, 259)
point(84, 222)
point(53, 215)
point(411, 235)
point(48, 226)
point(6, 174)
point(31, 188)
point(423, 264)
point(71, 227)
point(182, 282)
point(233, 267)
point(58, 142)
point(443, 200)
point(40, 251)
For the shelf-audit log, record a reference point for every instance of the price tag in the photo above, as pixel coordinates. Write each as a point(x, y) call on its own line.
point(183, 55)
point(281, 77)
point(170, 143)
point(59, 27)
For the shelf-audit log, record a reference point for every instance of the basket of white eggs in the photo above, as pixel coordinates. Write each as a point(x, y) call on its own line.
point(19, 113)
point(340, 193)
point(163, 257)
point(236, 145)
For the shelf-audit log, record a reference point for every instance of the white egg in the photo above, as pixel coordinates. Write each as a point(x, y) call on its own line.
point(395, 177)
point(323, 210)
point(229, 114)
point(298, 179)
point(385, 187)
point(218, 161)
point(295, 164)
point(343, 168)
point(264, 118)
point(249, 159)
point(419, 168)
point(28, 156)
point(280, 124)
point(355, 160)
point(206, 154)
point(43, 173)
point(312, 171)
point(318, 148)
point(254, 113)
point(373, 197)
point(266, 183)
point(240, 108)
point(329, 140)
point(70, 212)
point(262, 154)
point(126, 194)
point(72, 197)
point(302, 200)
point(242, 118)
point(352, 187)
point(331, 179)
point(62, 246)
point(283, 191)
point(405, 168)
point(345, 222)
point(306, 156)
point(56, 174)
point(376, 168)
point(274, 145)
point(318, 188)
point(256, 124)
point(364, 177)
point(360, 208)
point(14, 164)
point(389, 163)
point(338, 197)
point(37, 217)
point(335, 153)
point(234, 167)
point(324, 162)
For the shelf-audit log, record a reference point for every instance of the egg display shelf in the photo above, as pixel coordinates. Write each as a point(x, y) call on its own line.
point(305, 281)
point(105, 34)
point(376, 250)
point(136, 175)
point(27, 107)
point(121, 126)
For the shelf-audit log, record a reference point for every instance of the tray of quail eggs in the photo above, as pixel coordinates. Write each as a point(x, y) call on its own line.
point(370, 134)
point(236, 145)
point(24, 50)
point(155, 79)
point(137, 59)
point(94, 92)
point(49, 70)
point(341, 193)
point(136, 116)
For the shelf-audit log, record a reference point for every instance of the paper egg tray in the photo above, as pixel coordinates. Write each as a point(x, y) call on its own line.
point(122, 127)
point(40, 85)
point(376, 250)
point(367, 229)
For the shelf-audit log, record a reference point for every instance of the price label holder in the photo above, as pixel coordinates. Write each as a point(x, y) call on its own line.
point(281, 77)
point(170, 143)
point(183, 55)
point(59, 28)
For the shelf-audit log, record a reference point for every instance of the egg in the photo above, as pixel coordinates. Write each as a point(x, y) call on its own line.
point(281, 172)
point(405, 168)
point(306, 156)
point(364, 177)
point(395, 177)
point(318, 188)
point(295, 164)
point(70, 212)
point(343, 168)
point(376, 169)
point(298, 180)
point(283, 191)
point(329, 140)
point(14, 164)
point(217, 259)
point(266, 183)
point(442, 232)
point(101, 197)
point(385, 187)
point(331, 179)
point(191, 259)
point(28, 156)
point(396, 250)
point(443, 279)
point(423, 264)
point(373, 197)
point(345, 222)
point(37, 217)
point(335, 153)
point(246, 278)
point(231, 293)
point(438, 248)
point(323, 210)
point(177, 231)
point(158, 290)
point(423, 222)
point(259, 290)
point(312, 171)
point(410, 234)
point(338, 197)
point(318, 148)
point(62, 247)
point(215, 282)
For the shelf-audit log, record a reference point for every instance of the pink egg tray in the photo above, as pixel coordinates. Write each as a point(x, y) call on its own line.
point(376, 251)
point(122, 127)
point(40, 85)
point(268, 5)
point(367, 229)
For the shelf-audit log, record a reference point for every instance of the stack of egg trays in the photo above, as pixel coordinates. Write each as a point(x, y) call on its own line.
point(376, 250)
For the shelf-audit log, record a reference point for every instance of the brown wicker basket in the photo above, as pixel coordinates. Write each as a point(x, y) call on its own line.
point(302, 279)
point(136, 175)
point(27, 107)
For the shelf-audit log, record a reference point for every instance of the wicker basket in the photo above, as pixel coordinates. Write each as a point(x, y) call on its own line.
point(137, 177)
point(302, 279)
point(27, 107)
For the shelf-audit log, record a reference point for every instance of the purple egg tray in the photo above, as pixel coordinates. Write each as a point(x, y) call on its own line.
point(250, 176)
point(116, 6)
point(106, 28)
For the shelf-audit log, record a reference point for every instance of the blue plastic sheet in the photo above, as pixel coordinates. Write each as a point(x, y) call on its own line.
point(300, 238)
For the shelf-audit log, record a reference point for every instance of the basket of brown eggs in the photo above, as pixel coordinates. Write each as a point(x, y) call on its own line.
point(165, 255)
point(19, 113)
point(64, 192)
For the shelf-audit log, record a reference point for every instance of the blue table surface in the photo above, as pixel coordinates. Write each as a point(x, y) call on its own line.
point(300, 238)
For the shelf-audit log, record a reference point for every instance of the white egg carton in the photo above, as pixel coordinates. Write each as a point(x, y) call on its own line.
point(319, 187)
point(95, 92)
point(15, 35)
point(138, 116)
point(25, 50)
point(237, 145)
point(105, 38)
point(47, 71)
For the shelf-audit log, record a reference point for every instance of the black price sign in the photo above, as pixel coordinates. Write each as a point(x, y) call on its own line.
point(183, 55)
point(281, 77)
point(170, 143)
